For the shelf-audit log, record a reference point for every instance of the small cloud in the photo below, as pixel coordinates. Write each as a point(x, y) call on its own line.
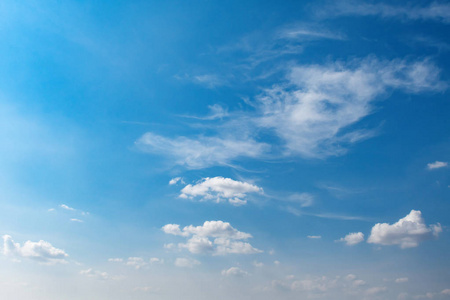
point(401, 280)
point(376, 290)
point(186, 262)
point(445, 292)
point(353, 238)
point(63, 206)
point(315, 237)
point(77, 220)
point(176, 180)
point(115, 259)
point(258, 264)
point(95, 274)
point(234, 272)
point(51, 210)
point(304, 199)
point(155, 260)
point(437, 165)
point(276, 262)
point(136, 262)
point(147, 289)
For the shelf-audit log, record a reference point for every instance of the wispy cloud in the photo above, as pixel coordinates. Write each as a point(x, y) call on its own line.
point(435, 11)
point(437, 165)
point(312, 114)
point(201, 152)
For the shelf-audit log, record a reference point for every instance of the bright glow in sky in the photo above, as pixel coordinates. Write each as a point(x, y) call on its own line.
point(224, 150)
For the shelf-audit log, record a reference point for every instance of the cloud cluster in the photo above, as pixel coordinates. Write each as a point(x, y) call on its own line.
point(220, 189)
point(408, 232)
point(95, 274)
point(353, 238)
point(137, 262)
point(312, 113)
point(41, 251)
point(213, 237)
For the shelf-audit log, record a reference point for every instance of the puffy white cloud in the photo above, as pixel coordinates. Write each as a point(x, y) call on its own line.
point(226, 238)
point(407, 232)
point(234, 272)
point(115, 259)
point(41, 251)
point(203, 151)
point(353, 238)
point(186, 262)
point(77, 220)
point(437, 165)
point(220, 189)
point(155, 260)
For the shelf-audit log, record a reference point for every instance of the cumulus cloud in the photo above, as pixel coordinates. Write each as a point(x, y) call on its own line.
point(234, 272)
point(353, 238)
point(435, 11)
point(314, 237)
point(186, 262)
point(408, 232)
point(220, 189)
point(136, 262)
point(213, 237)
point(41, 251)
point(376, 290)
point(201, 152)
point(437, 165)
point(445, 292)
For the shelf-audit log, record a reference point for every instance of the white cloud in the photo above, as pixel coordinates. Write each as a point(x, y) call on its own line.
point(401, 280)
point(376, 290)
point(437, 165)
point(258, 264)
point(136, 262)
point(407, 232)
point(445, 292)
point(77, 220)
point(203, 151)
point(95, 274)
point(63, 206)
point(176, 180)
point(234, 272)
point(314, 111)
point(155, 260)
point(304, 199)
point(186, 262)
point(435, 11)
point(220, 189)
point(41, 251)
point(353, 238)
point(115, 259)
point(314, 237)
point(226, 238)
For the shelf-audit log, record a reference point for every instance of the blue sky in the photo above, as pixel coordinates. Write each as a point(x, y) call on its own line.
point(226, 150)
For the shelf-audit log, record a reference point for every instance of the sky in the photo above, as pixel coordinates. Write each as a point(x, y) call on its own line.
point(224, 150)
